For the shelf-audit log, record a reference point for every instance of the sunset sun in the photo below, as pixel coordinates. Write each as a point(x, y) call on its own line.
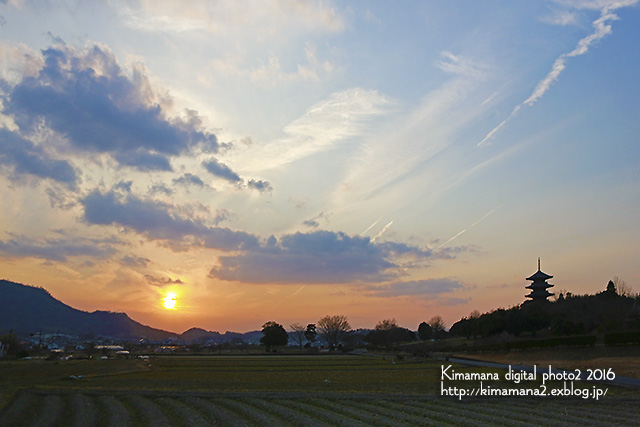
point(170, 301)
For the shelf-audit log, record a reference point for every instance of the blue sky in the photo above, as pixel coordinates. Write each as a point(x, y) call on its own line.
point(284, 160)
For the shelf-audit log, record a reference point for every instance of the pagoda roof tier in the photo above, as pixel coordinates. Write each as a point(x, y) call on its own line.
point(539, 275)
point(539, 285)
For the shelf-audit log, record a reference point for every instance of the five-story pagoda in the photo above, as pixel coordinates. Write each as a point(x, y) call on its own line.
point(539, 286)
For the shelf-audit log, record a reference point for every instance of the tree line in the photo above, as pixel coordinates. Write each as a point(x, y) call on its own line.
point(616, 309)
point(337, 333)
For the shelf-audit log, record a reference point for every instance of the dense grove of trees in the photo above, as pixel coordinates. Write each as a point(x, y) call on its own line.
point(615, 309)
point(612, 310)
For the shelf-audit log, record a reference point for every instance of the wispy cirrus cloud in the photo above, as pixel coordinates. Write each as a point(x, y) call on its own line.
point(269, 18)
point(56, 249)
point(323, 126)
point(426, 287)
point(601, 28)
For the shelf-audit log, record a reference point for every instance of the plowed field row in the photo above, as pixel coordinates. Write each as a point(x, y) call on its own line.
point(87, 407)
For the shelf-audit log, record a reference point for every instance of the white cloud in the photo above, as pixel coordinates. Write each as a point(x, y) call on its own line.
point(601, 26)
point(459, 65)
point(324, 125)
point(561, 17)
point(264, 18)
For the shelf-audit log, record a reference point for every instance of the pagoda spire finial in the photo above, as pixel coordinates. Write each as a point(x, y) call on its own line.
point(538, 263)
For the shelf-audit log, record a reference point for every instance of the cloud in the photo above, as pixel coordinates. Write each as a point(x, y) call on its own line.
point(315, 221)
point(267, 19)
point(221, 170)
point(459, 65)
point(414, 288)
point(135, 261)
point(159, 221)
point(601, 27)
point(323, 126)
point(162, 281)
point(23, 157)
point(88, 100)
point(318, 257)
point(561, 17)
point(261, 186)
point(55, 249)
point(189, 179)
point(160, 188)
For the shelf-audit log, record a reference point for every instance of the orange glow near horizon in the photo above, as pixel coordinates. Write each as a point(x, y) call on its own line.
point(170, 301)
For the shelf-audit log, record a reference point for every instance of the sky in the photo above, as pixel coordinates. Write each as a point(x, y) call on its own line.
point(284, 160)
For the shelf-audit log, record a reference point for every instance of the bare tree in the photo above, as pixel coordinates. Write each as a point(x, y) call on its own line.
point(621, 287)
point(387, 324)
point(333, 328)
point(437, 324)
point(297, 331)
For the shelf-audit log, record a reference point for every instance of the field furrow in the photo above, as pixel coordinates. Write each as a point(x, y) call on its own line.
point(20, 412)
point(390, 409)
point(317, 414)
point(151, 413)
point(346, 408)
point(292, 415)
point(219, 414)
point(50, 411)
point(116, 413)
point(83, 410)
point(185, 414)
point(434, 411)
point(254, 415)
point(483, 411)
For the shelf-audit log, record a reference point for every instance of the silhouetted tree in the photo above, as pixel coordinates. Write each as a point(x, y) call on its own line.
point(274, 335)
point(298, 331)
point(437, 325)
point(11, 345)
point(333, 328)
point(310, 334)
point(425, 331)
point(387, 333)
point(622, 288)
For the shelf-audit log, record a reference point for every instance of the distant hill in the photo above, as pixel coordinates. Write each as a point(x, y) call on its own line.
point(28, 310)
point(198, 335)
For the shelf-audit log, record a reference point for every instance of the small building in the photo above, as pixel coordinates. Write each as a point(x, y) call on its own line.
point(539, 286)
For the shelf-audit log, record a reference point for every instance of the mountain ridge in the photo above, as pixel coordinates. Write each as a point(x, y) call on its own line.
point(27, 309)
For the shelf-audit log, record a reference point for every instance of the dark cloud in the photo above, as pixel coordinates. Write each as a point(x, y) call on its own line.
point(159, 187)
point(315, 221)
point(261, 186)
point(135, 261)
point(144, 160)
point(221, 170)
point(23, 157)
point(162, 281)
point(58, 249)
point(402, 249)
point(189, 179)
point(88, 99)
point(124, 185)
point(61, 198)
point(318, 257)
point(159, 221)
point(414, 288)
point(221, 216)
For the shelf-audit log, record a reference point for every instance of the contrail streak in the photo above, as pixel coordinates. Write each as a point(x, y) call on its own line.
point(470, 227)
point(601, 26)
point(370, 227)
point(381, 231)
